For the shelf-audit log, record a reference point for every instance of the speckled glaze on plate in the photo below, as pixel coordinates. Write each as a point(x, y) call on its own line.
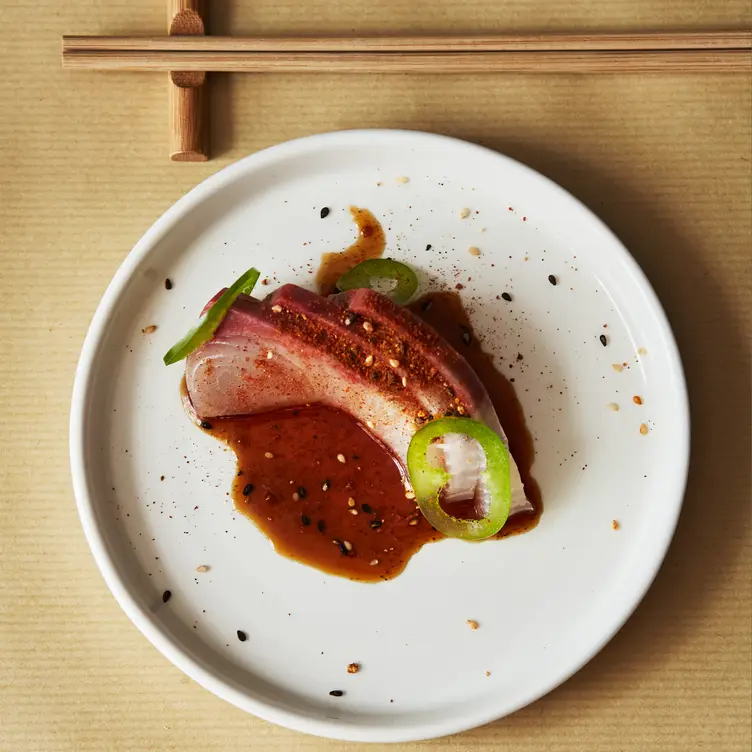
point(152, 490)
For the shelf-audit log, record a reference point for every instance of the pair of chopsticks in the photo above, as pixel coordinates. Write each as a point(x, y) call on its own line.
point(690, 52)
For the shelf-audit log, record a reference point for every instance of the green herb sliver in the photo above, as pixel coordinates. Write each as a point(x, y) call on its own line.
point(207, 325)
point(360, 276)
point(428, 480)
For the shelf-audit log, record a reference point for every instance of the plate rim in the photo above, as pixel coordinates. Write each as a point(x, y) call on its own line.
point(105, 559)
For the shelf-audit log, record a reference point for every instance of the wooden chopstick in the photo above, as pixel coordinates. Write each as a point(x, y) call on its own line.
point(188, 55)
point(696, 40)
point(566, 61)
point(534, 53)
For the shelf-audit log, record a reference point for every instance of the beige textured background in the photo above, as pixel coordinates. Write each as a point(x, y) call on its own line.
point(665, 160)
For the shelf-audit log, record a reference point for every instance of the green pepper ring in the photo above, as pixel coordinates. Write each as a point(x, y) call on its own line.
point(427, 480)
point(204, 330)
point(360, 277)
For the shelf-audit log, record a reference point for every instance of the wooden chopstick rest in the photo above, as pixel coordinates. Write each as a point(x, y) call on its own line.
point(188, 129)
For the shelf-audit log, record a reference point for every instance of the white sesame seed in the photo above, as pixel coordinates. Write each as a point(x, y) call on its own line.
point(394, 363)
point(296, 496)
point(613, 406)
point(368, 326)
point(341, 458)
point(409, 495)
point(268, 455)
point(413, 522)
point(373, 562)
point(269, 355)
point(369, 360)
point(464, 213)
point(642, 351)
point(369, 423)
point(351, 502)
point(353, 511)
point(402, 180)
point(348, 321)
point(472, 623)
point(202, 568)
point(618, 367)
point(347, 545)
point(404, 381)
point(277, 308)
point(474, 250)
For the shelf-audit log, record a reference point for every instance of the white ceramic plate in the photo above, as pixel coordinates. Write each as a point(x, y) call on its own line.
point(546, 601)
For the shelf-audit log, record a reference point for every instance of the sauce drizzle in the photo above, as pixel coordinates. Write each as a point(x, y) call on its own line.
point(370, 243)
point(346, 518)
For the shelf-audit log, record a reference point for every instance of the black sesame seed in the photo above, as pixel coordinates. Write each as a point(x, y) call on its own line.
point(366, 508)
point(342, 548)
point(248, 489)
point(305, 520)
point(506, 297)
point(427, 305)
point(376, 523)
point(428, 247)
point(302, 492)
point(166, 596)
point(466, 336)
point(336, 693)
point(242, 636)
point(325, 212)
point(168, 284)
point(205, 424)
point(603, 340)
point(321, 525)
point(552, 279)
